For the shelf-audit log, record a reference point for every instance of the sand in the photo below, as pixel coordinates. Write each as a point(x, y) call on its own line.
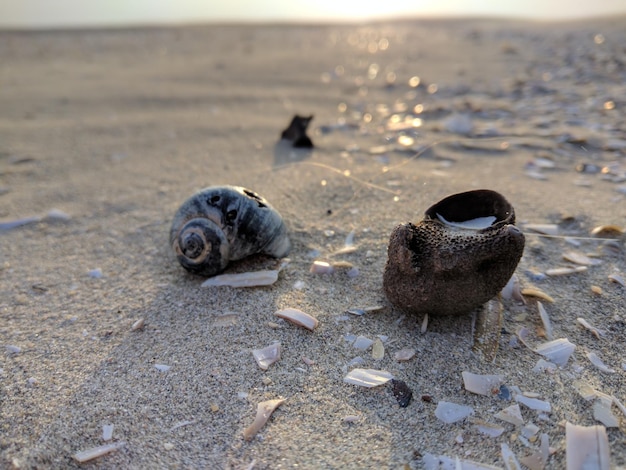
point(117, 128)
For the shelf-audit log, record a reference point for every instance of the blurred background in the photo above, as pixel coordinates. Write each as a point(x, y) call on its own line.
point(36, 14)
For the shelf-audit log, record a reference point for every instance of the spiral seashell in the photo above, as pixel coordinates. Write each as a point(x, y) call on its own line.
point(226, 223)
point(457, 258)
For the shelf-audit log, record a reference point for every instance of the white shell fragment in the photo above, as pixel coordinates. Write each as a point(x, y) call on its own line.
point(248, 279)
point(478, 223)
point(565, 271)
point(534, 403)
point(617, 279)
point(451, 412)
point(378, 349)
point(367, 377)
point(547, 325)
point(510, 460)
point(511, 414)
point(585, 324)
point(482, 384)
point(107, 432)
point(322, 267)
point(488, 429)
point(533, 292)
point(557, 351)
point(596, 361)
point(263, 412)
point(298, 317)
point(546, 229)
point(162, 367)
point(405, 354)
point(95, 452)
point(579, 258)
point(586, 447)
point(138, 325)
point(362, 342)
point(602, 411)
point(265, 357)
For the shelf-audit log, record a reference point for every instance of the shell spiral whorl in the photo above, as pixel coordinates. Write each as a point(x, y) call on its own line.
point(225, 223)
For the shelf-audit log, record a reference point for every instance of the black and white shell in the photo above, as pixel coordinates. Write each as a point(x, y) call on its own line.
point(226, 223)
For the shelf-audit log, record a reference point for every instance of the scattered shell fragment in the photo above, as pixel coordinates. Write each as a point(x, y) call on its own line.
point(351, 419)
point(362, 342)
point(138, 325)
point(557, 351)
point(298, 317)
point(487, 330)
point(512, 290)
point(545, 320)
point(263, 412)
point(367, 377)
point(565, 271)
point(586, 447)
point(226, 319)
point(533, 292)
point(402, 392)
point(579, 258)
point(247, 279)
point(107, 432)
point(405, 354)
point(538, 460)
point(510, 460)
point(511, 414)
point(267, 356)
point(162, 367)
point(478, 223)
point(95, 452)
point(602, 411)
point(322, 267)
point(607, 231)
point(544, 366)
point(534, 403)
point(585, 324)
point(12, 349)
point(596, 361)
point(378, 349)
point(617, 279)
point(546, 229)
point(489, 429)
point(482, 384)
point(451, 412)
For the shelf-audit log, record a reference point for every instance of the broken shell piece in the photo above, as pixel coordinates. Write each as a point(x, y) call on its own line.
point(533, 292)
point(248, 279)
point(378, 349)
point(596, 361)
point(263, 412)
point(404, 354)
point(607, 231)
point(482, 384)
point(107, 432)
point(585, 324)
point(322, 267)
point(586, 447)
point(478, 223)
point(488, 429)
point(362, 342)
point(367, 377)
point(451, 412)
point(298, 317)
point(617, 279)
point(602, 411)
point(138, 325)
point(267, 356)
point(95, 452)
point(512, 290)
point(557, 351)
point(510, 460)
point(438, 269)
point(511, 414)
point(545, 229)
point(534, 403)
point(538, 460)
point(547, 325)
point(565, 271)
point(579, 258)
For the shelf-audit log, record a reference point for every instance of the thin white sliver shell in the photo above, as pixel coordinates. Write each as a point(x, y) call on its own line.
point(367, 377)
point(248, 279)
point(298, 317)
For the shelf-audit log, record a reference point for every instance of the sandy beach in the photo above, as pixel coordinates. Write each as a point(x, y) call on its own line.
point(104, 133)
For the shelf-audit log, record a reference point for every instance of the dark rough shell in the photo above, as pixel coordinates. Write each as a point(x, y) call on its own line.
point(439, 269)
point(226, 223)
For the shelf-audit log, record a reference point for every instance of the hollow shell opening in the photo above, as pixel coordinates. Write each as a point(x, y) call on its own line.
point(477, 209)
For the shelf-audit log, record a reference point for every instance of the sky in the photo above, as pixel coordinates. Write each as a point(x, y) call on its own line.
point(33, 14)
